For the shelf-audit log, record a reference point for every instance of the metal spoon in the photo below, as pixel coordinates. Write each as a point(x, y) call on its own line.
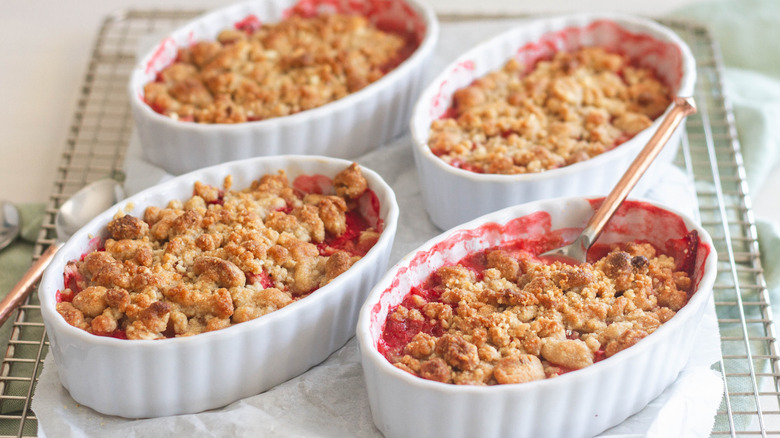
point(575, 252)
point(9, 223)
point(84, 205)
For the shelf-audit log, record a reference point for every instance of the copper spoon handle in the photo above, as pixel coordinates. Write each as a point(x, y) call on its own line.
point(21, 291)
point(683, 106)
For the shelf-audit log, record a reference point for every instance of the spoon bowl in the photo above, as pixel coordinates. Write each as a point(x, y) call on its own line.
point(10, 225)
point(84, 205)
point(576, 252)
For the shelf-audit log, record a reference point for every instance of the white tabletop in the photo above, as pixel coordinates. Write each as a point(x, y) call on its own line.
point(45, 50)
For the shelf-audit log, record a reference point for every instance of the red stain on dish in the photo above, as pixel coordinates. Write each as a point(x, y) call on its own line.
point(368, 207)
point(249, 24)
point(163, 55)
point(634, 221)
point(663, 57)
point(462, 73)
point(317, 184)
point(684, 251)
point(642, 219)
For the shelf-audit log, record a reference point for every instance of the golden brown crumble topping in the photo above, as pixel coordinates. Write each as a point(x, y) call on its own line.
point(275, 70)
point(566, 110)
point(504, 316)
point(219, 258)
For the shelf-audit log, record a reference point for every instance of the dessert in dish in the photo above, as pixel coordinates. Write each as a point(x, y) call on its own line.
point(568, 109)
point(583, 159)
point(503, 316)
point(187, 374)
point(222, 257)
point(335, 103)
point(563, 327)
point(256, 71)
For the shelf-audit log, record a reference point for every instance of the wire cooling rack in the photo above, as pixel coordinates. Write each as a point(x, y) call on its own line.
point(100, 133)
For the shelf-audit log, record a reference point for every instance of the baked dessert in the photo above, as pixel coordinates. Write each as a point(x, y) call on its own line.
point(256, 71)
point(567, 109)
point(221, 257)
point(503, 316)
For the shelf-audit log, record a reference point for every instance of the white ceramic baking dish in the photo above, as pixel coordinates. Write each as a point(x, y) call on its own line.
point(152, 378)
point(581, 403)
point(453, 196)
point(346, 128)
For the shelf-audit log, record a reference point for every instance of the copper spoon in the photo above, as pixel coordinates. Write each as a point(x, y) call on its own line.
point(72, 215)
point(575, 252)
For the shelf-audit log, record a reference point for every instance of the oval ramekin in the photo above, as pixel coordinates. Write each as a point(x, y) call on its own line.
point(577, 404)
point(153, 378)
point(346, 128)
point(453, 196)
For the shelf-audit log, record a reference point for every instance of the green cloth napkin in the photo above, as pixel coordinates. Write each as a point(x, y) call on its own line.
point(747, 32)
point(16, 258)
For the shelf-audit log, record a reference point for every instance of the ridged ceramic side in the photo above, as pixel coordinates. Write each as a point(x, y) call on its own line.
point(346, 128)
point(209, 370)
point(453, 196)
point(577, 404)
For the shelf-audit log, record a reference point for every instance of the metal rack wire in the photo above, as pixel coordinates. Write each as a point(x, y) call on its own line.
point(711, 155)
